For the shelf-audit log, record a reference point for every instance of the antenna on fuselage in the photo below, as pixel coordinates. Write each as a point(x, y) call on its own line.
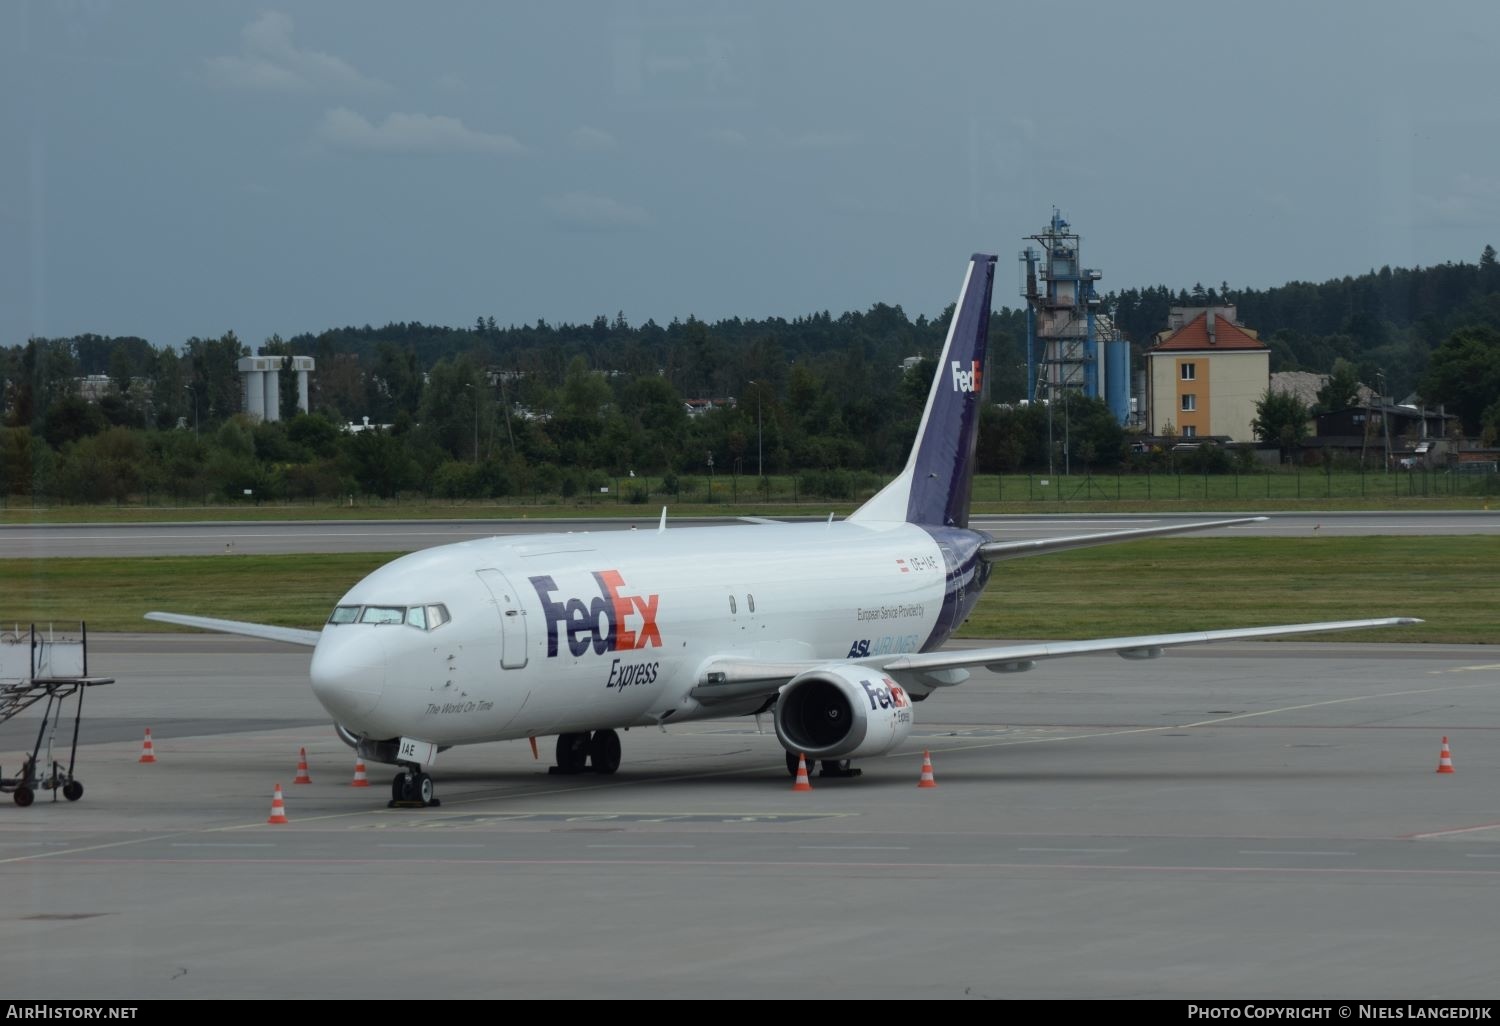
point(663, 525)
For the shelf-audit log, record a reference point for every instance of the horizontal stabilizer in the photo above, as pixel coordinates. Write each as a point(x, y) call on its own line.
point(995, 551)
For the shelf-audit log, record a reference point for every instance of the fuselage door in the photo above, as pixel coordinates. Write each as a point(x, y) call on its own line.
point(512, 619)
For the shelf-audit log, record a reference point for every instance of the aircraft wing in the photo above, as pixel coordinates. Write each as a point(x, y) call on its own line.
point(729, 679)
point(995, 551)
point(290, 635)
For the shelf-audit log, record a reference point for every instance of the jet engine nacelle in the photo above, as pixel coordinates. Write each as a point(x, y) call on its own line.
point(842, 711)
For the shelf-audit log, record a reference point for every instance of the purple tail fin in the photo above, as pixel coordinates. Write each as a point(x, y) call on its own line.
point(933, 489)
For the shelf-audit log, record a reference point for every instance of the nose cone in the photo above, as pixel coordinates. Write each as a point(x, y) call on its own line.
point(348, 672)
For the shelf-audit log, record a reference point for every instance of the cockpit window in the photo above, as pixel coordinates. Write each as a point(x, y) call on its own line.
point(383, 614)
point(423, 618)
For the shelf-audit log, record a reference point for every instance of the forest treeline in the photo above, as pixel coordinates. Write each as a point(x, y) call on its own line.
point(486, 410)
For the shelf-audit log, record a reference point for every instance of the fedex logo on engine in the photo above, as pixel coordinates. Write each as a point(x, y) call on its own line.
point(611, 622)
point(966, 380)
point(885, 695)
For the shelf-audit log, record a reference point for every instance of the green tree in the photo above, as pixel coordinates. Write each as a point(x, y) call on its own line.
point(107, 467)
point(170, 396)
point(1341, 390)
point(286, 381)
point(70, 418)
point(314, 434)
point(1280, 420)
point(15, 460)
point(1464, 374)
point(451, 406)
point(1489, 270)
point(395, 385)
point(1094, 435)
point(378, 463)
point(216, 375)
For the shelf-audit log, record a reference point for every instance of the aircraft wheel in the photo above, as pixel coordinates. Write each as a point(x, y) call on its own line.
point(24, 796)
point(605, 751)
point(572, 752)
point(72, 790)
point(398, 787)
point(421, 788)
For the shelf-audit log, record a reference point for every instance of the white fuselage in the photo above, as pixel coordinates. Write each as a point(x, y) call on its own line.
point(566, 633)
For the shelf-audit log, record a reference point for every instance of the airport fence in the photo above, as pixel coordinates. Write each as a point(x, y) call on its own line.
point(842, 490)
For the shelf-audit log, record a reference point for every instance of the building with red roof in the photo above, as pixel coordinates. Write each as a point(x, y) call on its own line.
point(1205, 374)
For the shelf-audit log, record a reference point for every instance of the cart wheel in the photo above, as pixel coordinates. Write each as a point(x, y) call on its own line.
point(72, 790)
point(24, 797)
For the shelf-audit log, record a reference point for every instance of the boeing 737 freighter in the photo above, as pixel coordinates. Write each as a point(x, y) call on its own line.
point(833, 629)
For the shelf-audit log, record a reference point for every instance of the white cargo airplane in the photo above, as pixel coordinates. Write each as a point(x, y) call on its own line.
point(831, 628)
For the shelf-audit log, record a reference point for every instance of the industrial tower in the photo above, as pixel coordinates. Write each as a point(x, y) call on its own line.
point(1070, 343)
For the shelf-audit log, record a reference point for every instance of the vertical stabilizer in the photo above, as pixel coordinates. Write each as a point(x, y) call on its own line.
point(933, 489)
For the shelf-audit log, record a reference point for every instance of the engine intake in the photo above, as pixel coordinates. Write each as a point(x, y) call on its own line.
point(842, 711)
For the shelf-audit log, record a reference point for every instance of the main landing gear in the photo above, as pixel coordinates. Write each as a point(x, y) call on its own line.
point(412, 790)
point(831, 767)
point(599, 751)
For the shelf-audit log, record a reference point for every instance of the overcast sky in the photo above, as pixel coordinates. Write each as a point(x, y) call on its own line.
point(179, 169)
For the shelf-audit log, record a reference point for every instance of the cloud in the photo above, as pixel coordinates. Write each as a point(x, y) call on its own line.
point(269, 61)
point(813, 139)
point(819, 140)
point(591, 140)
point(595, 212)
point(1469, 199)
point(411, 133)
point(729, 137)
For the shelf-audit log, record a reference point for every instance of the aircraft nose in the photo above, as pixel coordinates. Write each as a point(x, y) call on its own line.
point(348, 672)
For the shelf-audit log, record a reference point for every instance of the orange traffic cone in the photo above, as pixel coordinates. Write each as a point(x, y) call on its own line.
point(278, 808)
point(927, 780)
point(148, 754)
point(1445, 759)
point(360, 780)
point(802, 784)
point(302, 777)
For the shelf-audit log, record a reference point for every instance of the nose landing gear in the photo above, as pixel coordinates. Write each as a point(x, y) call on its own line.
point(412, 790)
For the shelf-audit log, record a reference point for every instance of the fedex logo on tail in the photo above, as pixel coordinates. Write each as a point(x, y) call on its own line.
point(966, 380)
point(612, 621)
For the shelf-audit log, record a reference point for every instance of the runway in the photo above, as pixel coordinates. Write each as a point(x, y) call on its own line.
point(287, 537)
point(1243, 821)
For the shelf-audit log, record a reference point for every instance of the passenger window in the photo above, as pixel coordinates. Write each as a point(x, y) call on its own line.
point(383, 614)
point(344, 614)
point(732, 607)
point(437, 616)
point(750, 601)
point(416, 616)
